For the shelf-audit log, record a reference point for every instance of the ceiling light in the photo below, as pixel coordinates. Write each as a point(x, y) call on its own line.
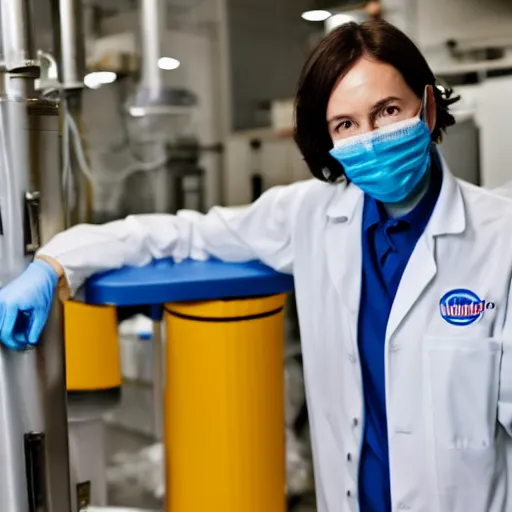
point(137, 111)
point(99, 78)
point(168, 63)
point(316, 15)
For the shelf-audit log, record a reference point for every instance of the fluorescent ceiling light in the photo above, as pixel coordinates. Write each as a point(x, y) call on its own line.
point(137, 111)
point(168, 63)
point(99, 78)
point(316, 15)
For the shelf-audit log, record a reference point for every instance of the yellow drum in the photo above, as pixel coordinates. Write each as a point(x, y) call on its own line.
point(224, 406)
point(92, 347)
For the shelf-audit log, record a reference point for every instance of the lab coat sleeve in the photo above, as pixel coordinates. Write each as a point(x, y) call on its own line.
point(505, 388)
point(262, 231)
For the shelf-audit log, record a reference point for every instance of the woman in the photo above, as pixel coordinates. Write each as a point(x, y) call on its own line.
point(402, 280)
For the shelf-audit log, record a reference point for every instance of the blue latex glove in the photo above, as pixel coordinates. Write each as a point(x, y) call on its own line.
point(25, 304)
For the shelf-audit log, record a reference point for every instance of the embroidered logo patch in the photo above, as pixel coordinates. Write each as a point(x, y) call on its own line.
point(463, 307)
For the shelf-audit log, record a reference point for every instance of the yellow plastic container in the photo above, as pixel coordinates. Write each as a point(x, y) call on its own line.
point(92, 347)
point(224, 406)
point(93, 373)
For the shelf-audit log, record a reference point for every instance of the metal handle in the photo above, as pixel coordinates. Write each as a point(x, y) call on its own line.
point(32, 232)
point(36, 477)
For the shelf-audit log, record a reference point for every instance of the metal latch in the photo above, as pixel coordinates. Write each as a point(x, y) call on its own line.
point(35, 459)
point(31, 221)
point(83, 495)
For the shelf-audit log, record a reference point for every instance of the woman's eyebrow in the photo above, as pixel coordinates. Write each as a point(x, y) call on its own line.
point(375, 108)
point(338, 117)
point(382, 103)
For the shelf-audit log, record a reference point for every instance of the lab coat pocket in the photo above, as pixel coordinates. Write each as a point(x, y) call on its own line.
point(463, 383)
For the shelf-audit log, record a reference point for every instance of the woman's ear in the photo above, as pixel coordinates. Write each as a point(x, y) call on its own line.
point(430, 108)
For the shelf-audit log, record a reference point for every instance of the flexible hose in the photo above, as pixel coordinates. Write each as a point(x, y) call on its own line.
point(119, 176)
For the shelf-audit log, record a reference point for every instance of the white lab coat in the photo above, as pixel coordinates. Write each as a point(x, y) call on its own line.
point(448, 387)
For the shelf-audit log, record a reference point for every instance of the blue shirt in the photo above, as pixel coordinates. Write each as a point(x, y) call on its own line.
point(387, 245)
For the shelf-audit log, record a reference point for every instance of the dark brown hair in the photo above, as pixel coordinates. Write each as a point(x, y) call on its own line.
point(331, 60)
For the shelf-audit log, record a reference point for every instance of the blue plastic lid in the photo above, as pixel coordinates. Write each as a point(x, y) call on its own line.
point(165, 281)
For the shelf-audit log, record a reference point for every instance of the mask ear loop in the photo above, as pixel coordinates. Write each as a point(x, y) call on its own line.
point(424, 102)
point(423, 110)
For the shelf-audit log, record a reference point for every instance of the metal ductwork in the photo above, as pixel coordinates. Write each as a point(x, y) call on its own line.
point(153, 97)
point(71, 44)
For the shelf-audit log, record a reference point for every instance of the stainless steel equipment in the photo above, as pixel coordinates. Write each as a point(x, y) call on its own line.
point(34, 474)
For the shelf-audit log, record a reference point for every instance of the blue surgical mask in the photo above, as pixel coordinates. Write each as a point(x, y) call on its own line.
point(387, 163)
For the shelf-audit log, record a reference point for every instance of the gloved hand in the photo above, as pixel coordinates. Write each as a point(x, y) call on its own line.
point(25, 304)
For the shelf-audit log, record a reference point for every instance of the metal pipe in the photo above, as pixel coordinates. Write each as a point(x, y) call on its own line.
point(71, 44)
point(224, 92)
point(151, 31)
point(17, 35)
point(153, 97)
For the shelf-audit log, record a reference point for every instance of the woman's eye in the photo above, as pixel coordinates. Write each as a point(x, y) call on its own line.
point(344, 125)
point(390, 111)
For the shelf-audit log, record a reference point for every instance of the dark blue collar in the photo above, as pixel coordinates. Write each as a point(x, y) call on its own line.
point(374, 212)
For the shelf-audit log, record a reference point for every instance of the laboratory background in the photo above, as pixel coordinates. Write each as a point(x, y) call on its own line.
point(154, 106)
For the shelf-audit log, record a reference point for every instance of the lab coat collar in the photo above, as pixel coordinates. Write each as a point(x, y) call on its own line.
point(448, 217)
point(344, 202)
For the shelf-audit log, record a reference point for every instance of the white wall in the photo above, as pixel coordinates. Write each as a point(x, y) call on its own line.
point(280, 163)
point(494, 115)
